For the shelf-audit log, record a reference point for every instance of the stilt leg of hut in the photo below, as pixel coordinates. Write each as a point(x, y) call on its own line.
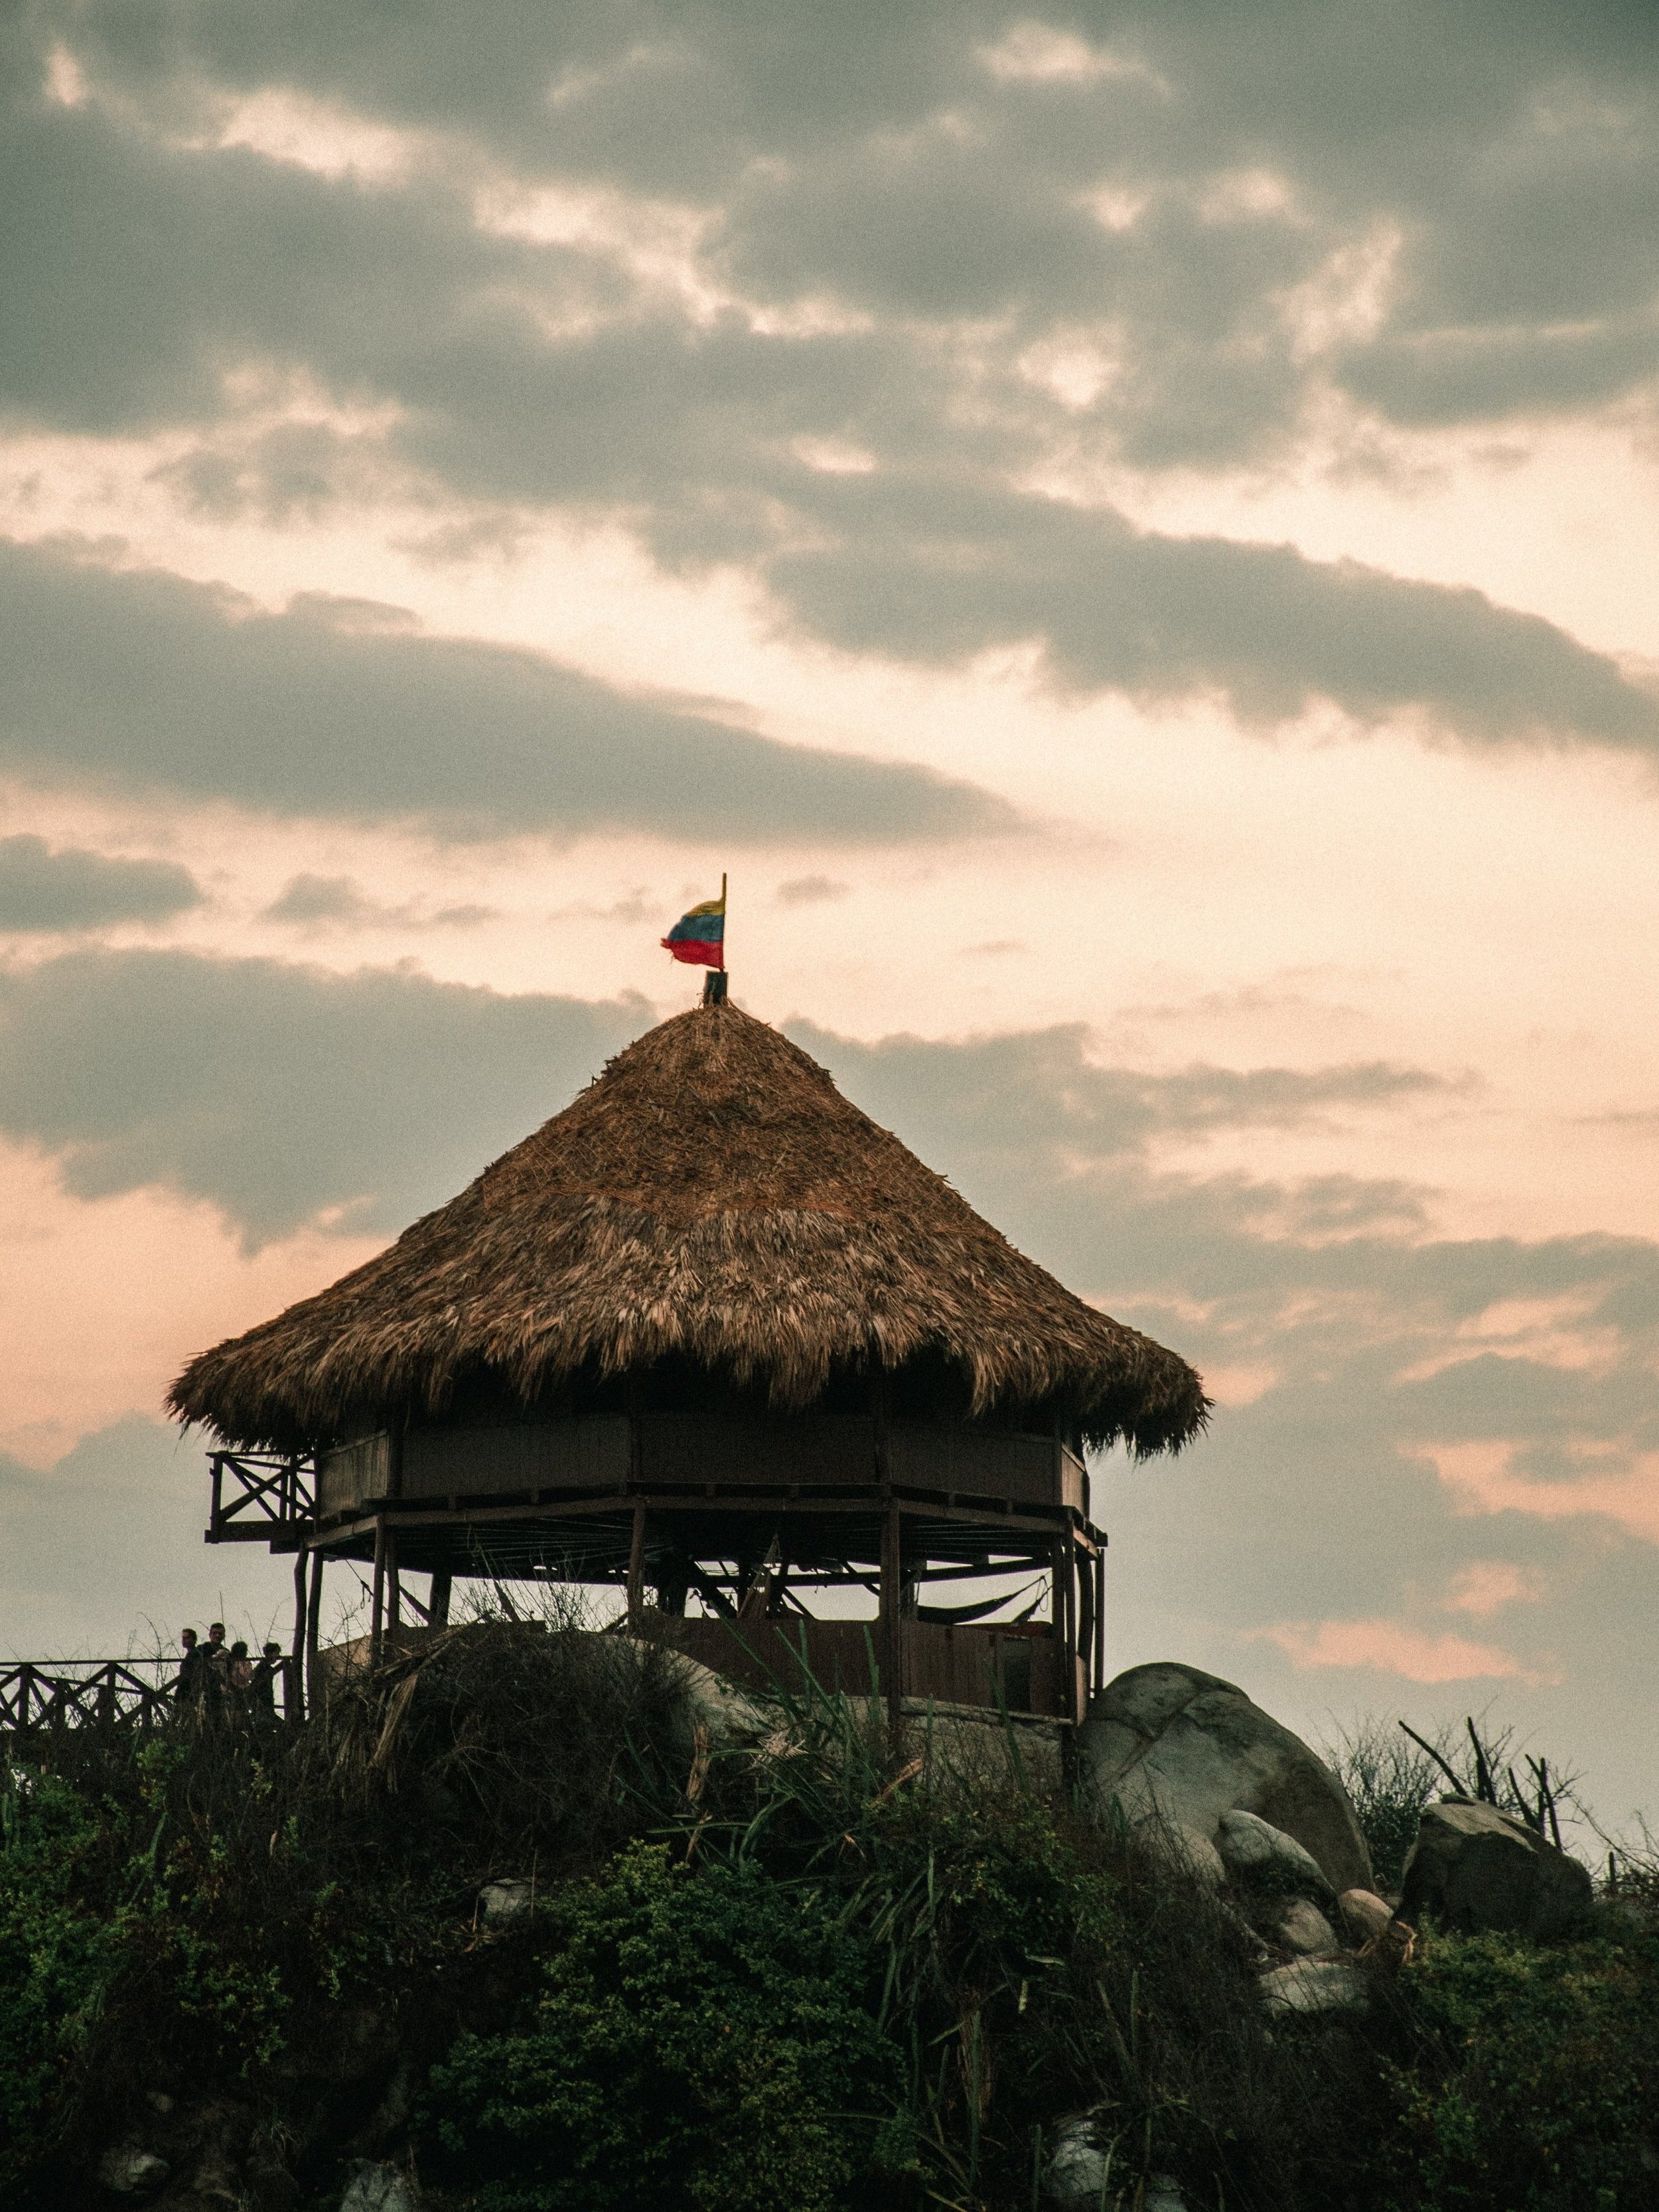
point(294, 1703)
point(1085, 1624)
point(1100, 1620)
point(394, 1588)
point(313, 1625)
point(1068, 1629)
point(890, 1641)
point(636, 1571)
point(438, 1598)
point(377, 1602)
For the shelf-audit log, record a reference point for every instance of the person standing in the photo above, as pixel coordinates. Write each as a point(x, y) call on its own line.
point(265, 1684)
point(192, 1683)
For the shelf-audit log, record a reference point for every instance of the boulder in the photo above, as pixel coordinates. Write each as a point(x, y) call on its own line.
point(1253, 1849)
point(380, 2188)
point(1303, 1927)
point(1078, 2179)
point(131, 2171)
point(1365, 1915)
point(501, 1903)
point(1474, 1867)
point(1314, 1985)
point(1169, 1745)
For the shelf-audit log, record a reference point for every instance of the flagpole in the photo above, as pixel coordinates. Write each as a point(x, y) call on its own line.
point(714, 987)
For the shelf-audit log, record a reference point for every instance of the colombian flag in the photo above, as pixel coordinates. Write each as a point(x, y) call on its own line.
point(700, 936)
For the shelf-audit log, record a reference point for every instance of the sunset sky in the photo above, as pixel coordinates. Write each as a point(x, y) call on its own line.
point(1128, 532)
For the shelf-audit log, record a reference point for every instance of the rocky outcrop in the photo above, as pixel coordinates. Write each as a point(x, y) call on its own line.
point(1173, 1748)
point(1473, 1868)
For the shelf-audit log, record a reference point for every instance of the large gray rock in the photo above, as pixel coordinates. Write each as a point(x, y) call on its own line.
point(1174, 1747)
point(1474, 1868)
point(1314, 1986)
point(131, 2171)
point(1254, 1850)
point(1078, 2176)
point(376, 2187)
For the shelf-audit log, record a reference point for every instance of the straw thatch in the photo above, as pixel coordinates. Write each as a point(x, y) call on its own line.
point(710, 1195)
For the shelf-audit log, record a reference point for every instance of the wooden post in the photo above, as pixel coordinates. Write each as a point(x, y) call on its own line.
point(890, 1643)
point(438, 1598)
point(394, 1587)
point(313, 1620)
point(1085, 1625)
point(293, 1703)
point(377, 1605)
point(636, 1571)
point(1100, 1617)
point(1071, 1632)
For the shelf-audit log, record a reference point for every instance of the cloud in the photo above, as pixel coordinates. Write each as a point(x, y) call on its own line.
point(811, 890)
point(146, 681)
point(1392, 1647)
point(102, 1555)
point(974, 281)
point(320, 903)
point(70, 888)
point(1038, 1097)
point(1489, 1475)
point(1485, 1586)
point(284, 1094)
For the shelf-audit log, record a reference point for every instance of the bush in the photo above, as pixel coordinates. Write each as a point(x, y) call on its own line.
point(704, 2039)
point(60, 1948)
point(1536, 2087)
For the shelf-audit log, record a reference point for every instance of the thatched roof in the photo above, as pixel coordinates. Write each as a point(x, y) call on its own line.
point(711, 1195)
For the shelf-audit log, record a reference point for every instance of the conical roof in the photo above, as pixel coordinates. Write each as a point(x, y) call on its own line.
point(712, 1195)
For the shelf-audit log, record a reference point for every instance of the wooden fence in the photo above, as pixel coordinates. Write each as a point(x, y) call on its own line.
point(45, 1694)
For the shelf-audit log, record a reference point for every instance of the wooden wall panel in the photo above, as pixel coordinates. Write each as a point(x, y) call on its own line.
point(582, 1455)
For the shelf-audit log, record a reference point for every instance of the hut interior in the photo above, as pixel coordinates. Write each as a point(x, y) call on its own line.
point(713, 1336)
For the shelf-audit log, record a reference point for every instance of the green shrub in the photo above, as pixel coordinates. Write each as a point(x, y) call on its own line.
point(703, 2040)
point(60, 1947)
point(1536, 2084)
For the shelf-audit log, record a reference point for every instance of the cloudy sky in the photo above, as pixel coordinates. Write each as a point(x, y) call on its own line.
point(1128, 531)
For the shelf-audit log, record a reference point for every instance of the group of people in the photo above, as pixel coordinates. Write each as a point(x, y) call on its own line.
point(223, 1675)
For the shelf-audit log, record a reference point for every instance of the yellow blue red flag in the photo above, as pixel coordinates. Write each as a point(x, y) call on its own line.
point(700, 936)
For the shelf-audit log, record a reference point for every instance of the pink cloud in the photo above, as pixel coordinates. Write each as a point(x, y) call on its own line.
point(1390, 1647)
point(1619, 1486)
point(1486, 1584)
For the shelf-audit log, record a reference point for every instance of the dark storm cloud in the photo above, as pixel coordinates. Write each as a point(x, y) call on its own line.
point(1500, 170)
point(72, 889)
point(336, 708)
point(278, 1092)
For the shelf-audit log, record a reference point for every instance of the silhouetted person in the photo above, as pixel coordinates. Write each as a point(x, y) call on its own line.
point(193, 1672)
point(263, 1692)
point(241, 1672)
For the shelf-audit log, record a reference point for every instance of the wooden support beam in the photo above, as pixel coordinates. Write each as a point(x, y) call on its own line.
point(294, 1698)
point(890, 1625)
point(1100, 1620)
point(394, 1585)
point(1085, 1624)
point(636, 1571)
point(438, 1598)
point(313, 1620)
point(377, 1604)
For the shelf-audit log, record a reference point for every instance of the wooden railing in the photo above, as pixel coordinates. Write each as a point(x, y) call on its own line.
point(256, 1494)
point(37, 1694)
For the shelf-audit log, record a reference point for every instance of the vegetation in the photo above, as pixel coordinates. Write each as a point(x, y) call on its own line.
point(814, 1976)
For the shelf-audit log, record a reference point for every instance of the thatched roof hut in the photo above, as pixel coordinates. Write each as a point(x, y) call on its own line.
point(710, 1198)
